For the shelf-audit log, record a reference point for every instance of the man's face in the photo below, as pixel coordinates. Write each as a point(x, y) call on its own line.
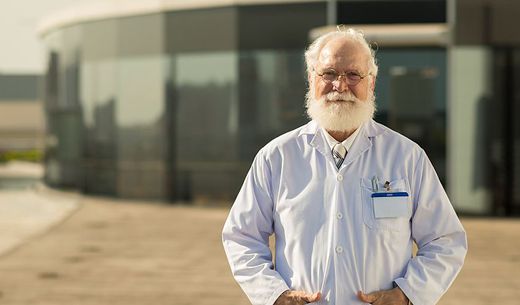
point(342, 56)
point(337, 105)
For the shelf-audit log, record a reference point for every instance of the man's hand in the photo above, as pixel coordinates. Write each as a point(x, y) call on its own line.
point(384, 297)
point(291, 297)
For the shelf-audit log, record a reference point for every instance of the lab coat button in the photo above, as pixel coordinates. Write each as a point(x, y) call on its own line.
point(339, 249)
point(340, 177)
point(339, 215)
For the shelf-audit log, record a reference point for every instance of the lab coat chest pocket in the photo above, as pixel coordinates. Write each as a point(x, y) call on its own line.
point(393, 224)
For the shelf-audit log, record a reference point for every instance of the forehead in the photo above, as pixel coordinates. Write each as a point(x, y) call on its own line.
point(343, 54)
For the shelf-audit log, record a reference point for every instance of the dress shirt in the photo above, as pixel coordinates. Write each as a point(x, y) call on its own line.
point(327, 238)
point(347, 143)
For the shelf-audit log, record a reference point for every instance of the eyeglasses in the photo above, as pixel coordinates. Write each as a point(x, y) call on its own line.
point(331, 75)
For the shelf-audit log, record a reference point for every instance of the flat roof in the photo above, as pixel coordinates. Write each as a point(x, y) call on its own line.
point(123, 8)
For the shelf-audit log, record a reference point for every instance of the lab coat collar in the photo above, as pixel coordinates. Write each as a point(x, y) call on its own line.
point(372, 129)
point(369, 129)
point(362, 143)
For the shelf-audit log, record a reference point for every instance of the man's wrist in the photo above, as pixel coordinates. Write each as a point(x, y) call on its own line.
point(281, 296)
point(401, 292)
point(402, 295)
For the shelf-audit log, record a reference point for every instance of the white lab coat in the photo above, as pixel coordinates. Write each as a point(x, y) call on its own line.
point(327, 236)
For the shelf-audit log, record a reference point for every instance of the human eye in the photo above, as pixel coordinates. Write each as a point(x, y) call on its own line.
point(352, 75)
point(329, 75)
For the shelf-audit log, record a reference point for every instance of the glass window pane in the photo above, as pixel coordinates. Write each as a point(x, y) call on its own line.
point(272, 97)
point(206, 115)
point(141, 133)
point(411, 98)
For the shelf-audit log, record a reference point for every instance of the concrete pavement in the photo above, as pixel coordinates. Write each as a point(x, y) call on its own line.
point(27, 208)
point(129, 252)
point(121, 252)
point(27, 213)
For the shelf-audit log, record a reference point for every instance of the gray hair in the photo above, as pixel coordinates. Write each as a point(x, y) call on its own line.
point(312, 53)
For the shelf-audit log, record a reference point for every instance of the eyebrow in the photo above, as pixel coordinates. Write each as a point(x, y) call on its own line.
point(348, 70)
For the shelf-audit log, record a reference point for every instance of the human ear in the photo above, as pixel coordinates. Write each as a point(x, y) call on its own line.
point(372, 83)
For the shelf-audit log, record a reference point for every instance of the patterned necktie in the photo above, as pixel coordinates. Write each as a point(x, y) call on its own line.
point(339, 152)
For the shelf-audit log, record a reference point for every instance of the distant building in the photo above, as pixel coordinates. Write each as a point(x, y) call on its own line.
point(170, 100)
point(22, 119)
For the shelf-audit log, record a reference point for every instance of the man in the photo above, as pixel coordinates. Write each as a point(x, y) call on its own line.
point(345, 198)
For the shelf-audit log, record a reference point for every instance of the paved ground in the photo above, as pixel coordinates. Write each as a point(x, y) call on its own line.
point(110, 252)
point(25, 214)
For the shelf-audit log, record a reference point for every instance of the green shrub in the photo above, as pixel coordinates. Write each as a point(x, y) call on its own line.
point(27, 155)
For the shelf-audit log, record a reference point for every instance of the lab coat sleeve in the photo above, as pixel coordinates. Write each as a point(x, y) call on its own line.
point(246, 237)
point(439, 235)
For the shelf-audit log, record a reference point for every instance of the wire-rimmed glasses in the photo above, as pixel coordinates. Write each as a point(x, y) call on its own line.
point(351, 77)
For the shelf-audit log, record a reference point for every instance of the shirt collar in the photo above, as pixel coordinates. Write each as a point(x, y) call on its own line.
point(347, 142)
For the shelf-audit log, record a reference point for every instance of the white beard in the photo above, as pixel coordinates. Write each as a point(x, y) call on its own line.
point(344, 116)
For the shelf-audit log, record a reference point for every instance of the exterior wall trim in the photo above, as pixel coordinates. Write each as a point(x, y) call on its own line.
point(125, 8)
point(398, 35)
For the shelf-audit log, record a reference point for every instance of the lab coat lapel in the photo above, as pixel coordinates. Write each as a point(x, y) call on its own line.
point(319, 142)
point(312, 132)
point(362, 143)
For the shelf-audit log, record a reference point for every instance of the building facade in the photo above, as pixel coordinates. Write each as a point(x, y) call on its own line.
point(22, 123)
point(171, 101)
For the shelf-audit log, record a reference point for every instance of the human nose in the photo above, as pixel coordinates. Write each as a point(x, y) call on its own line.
point(340, 84)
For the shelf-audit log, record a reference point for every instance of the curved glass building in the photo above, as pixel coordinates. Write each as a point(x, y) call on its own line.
point(171, 100)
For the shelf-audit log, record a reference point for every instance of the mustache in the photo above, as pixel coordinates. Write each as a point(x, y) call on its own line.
point(344, 96)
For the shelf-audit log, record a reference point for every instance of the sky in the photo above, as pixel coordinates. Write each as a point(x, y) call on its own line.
point(21, 50)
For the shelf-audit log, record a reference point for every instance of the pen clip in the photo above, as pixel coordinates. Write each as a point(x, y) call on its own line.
point(375, 184)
